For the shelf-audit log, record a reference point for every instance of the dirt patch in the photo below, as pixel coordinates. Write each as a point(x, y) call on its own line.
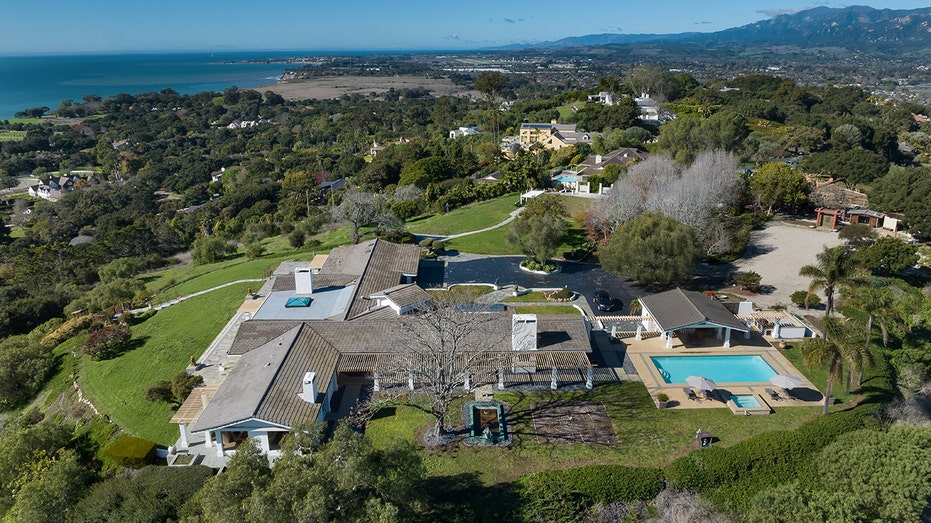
point(337, 86)
point(575, 422)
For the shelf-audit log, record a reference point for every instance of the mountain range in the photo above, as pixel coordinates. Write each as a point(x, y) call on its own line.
point(859, 29)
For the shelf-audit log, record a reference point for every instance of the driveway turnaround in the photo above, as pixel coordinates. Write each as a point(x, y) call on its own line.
point(584, 278)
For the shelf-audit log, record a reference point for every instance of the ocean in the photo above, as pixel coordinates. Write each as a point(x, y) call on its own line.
point(36, 81)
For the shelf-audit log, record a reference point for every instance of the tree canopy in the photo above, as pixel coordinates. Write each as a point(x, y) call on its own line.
point(653, 250)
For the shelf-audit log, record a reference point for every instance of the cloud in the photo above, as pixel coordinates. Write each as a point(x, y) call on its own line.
point(453, 36)
point(614, 29)
point(510, 20)
point(703, 22)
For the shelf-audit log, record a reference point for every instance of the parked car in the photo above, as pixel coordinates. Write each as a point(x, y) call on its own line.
point(603, 301)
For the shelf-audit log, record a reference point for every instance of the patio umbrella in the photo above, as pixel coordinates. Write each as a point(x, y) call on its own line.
point(701, 383)
point(784, 381)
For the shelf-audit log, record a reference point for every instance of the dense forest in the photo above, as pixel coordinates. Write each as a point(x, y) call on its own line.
point(165, 174)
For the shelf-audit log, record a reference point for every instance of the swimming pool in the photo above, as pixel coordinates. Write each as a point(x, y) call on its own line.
point(563, 178)
point(722, 369)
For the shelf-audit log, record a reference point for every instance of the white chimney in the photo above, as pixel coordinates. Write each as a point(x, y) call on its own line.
point(597, 159)
point(524, 332)
point(309, 392)
point(303, 281)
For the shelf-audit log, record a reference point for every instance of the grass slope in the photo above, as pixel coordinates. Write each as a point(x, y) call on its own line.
point(117, 386)
point(647, 436)
point(464, 219)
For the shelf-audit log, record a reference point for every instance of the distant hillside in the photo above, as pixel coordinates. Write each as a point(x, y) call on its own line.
point(855, 28)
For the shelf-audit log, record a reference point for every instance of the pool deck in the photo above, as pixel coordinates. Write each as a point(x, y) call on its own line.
point(640, 351)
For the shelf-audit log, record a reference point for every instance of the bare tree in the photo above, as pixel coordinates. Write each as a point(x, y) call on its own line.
point(446, 346)
point(358, 208)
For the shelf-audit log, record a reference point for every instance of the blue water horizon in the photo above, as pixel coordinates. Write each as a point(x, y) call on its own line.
point(28, 81)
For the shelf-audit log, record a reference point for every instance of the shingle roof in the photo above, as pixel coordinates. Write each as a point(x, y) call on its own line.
point(266, 381)
point(385, 264)
point(678, 309)
point(405, 295)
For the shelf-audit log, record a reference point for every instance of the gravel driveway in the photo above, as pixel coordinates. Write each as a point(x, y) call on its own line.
point(777, 252)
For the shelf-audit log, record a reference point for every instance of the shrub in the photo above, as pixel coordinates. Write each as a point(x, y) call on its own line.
point(438, 245)
point(405, 210)
point(798, 298)
point(68, 329)
point(176, 390)
point(136, 319)
point(580, 487)
point(662, 397)
point(132, 452)
point(107, 341)
point(748, 280)
point(254, 250)
point(160, 391)
point(296, 238)
point(426, 243)
point(564, 294)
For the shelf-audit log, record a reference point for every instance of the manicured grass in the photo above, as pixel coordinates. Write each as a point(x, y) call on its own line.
point(192, 278)
point(546, 309)
point(819, 376)
point(493, 242)
point(575, 205)
point(488, 242)
point(464, 219)
point(646, 436)
point(530, 297)
point(168, 340)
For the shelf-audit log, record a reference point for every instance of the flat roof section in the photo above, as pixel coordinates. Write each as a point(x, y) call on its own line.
point(324, 303)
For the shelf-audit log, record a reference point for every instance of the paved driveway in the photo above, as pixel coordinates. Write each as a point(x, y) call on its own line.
point(584, 278)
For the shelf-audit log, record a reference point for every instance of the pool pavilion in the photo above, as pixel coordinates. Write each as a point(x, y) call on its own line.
point(686, 312)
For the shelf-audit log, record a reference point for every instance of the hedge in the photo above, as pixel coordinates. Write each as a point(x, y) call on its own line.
point(132, 452)
point(572, 491)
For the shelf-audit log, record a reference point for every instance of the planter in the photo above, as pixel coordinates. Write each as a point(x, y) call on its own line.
point(525, 269)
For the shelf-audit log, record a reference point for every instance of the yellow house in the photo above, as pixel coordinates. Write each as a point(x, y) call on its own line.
point(551, 135)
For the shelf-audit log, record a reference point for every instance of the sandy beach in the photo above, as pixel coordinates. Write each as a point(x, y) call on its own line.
point(337, 86)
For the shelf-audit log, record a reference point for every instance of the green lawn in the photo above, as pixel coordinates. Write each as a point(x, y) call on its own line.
point(469, 218)
point(546, 309)
point(646, 436)
point(530, 297)
point(168, 340)
point(493, 242)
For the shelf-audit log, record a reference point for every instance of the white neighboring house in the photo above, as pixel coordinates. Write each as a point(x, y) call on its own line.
point(53, 188)
point(463, 131)
point(604, 98)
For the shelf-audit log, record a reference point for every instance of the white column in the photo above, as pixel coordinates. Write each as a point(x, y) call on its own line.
point(208, 439)
point(184, 443)
point(747, 334)
point(639, 332)
point(468, 381)
point(219, 436)
point(410, 381)
point(718, 333)
point(589, 380)
point(669, 340)
point(500, 379)
point(376, 387)
point(662, 335)
point(553, 380)
point(727, 338)
point(614, 331)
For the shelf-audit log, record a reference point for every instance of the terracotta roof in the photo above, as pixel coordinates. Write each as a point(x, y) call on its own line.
point(677, 309)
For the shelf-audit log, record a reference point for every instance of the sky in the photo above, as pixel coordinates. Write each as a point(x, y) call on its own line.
point(124, 26)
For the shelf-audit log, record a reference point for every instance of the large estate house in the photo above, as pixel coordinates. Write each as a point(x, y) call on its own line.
point(349, 318)
point(551, 135)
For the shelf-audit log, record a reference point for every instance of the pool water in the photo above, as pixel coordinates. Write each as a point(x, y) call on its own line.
point(722, 369)
point(746, 401)
point(564, 179)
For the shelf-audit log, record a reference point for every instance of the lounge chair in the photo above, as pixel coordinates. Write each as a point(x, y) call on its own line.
point(788, 394)
point(690, 394)
point(709, 395)
point(773, 395)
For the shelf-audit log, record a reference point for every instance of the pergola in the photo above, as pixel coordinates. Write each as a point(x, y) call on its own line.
point(530, 194)
point(678, 310)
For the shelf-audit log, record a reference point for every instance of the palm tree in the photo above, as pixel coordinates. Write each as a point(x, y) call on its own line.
point(839, 346)
point(834, 269)
point(877, 302)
